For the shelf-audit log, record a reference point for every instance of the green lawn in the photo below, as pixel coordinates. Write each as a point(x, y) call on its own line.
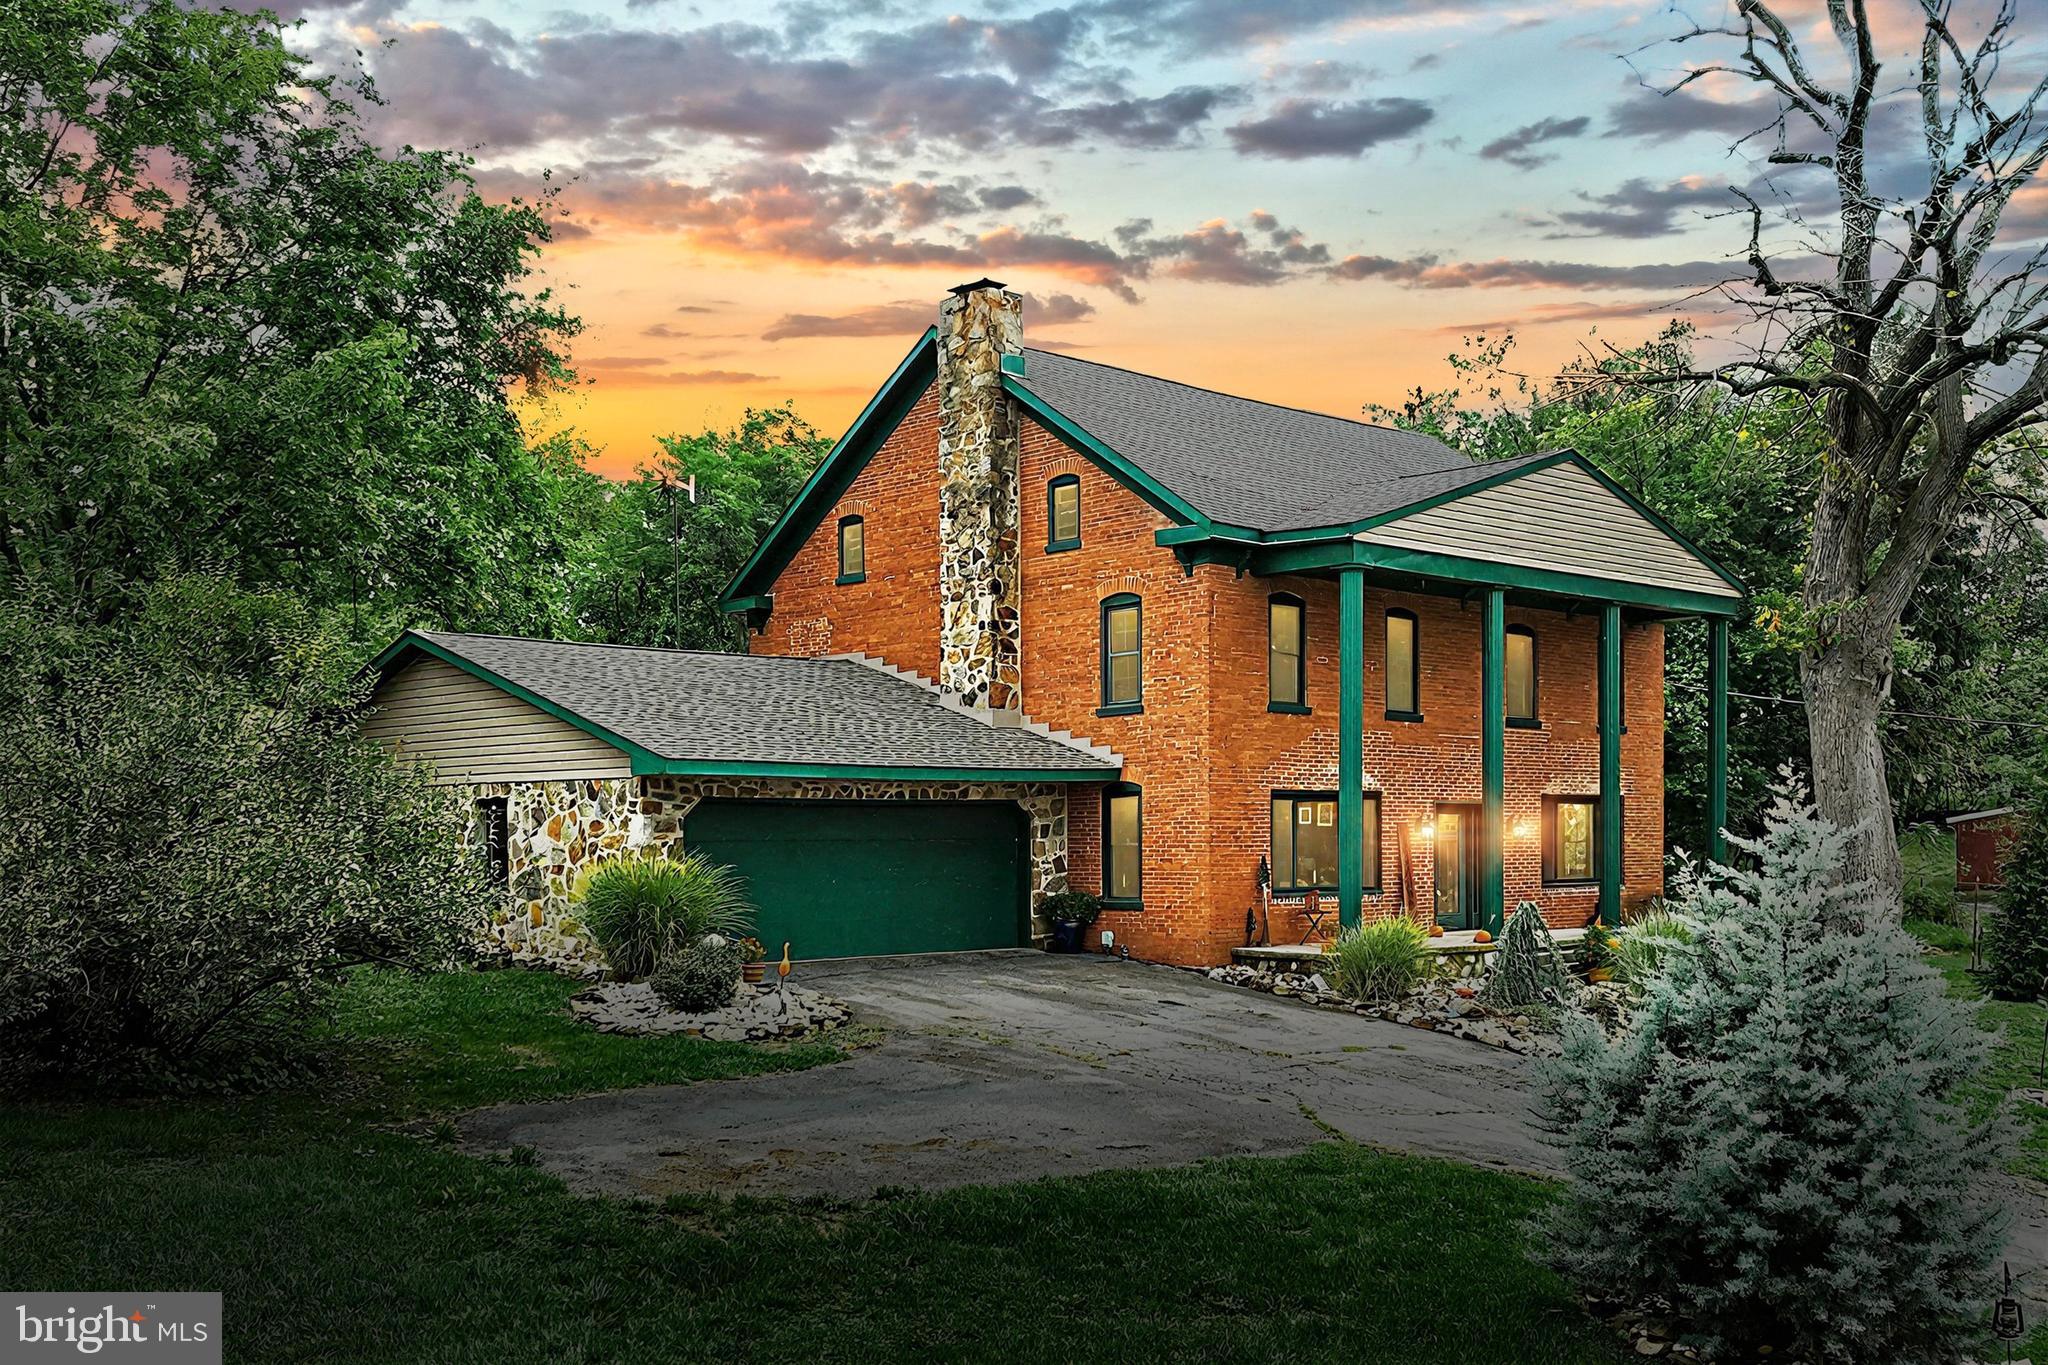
point(337, 1233)
point(2016, 1060)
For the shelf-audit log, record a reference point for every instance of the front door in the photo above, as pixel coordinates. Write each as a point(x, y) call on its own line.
point(1457, 867)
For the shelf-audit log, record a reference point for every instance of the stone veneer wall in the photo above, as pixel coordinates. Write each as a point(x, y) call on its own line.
point(556, 829)
point(979, 626)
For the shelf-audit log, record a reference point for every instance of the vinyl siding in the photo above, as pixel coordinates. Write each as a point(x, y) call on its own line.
point(1559, 518)
point(473, 732)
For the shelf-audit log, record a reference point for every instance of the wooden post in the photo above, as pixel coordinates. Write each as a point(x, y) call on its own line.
point(1610, 764)
point(1350, 746)
point(1493, 762)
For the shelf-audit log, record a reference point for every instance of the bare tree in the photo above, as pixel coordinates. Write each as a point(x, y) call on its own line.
point(1920, 333)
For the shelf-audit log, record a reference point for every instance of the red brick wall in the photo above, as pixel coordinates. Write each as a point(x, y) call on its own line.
point(894, 615)
point(1206, 752)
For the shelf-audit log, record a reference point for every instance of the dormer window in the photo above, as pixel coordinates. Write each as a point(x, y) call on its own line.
point(853, 551)
point(1063, 514)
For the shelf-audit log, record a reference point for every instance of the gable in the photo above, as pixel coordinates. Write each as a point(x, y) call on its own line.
point(1560, 518)
point(472, 731)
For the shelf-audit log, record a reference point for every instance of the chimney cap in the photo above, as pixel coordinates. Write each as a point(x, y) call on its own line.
point(963, 290)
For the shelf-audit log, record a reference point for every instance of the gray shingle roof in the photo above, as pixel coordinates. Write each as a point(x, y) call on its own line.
point(1246, 463)
point(697, 706)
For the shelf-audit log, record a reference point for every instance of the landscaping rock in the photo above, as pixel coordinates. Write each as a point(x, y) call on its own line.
point(757, 1013)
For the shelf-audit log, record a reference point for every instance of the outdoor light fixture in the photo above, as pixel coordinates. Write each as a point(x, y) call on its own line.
point(1427, 829)
point(1523, 829)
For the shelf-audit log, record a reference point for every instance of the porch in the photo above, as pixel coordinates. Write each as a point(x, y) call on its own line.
point(1453, 944)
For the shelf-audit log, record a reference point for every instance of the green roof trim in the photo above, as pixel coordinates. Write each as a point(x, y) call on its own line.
point(685, 767)
point(751, 586)
point(644, 760)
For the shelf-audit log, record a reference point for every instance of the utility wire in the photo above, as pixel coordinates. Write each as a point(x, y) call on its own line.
point(1888, 711)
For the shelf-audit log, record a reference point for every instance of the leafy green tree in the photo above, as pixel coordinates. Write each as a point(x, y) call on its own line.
point(657, 561)
point(235, 334)
point(199, 841)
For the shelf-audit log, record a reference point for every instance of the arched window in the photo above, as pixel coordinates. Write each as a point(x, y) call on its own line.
point(1521, 676)
point(1286, 653)
point(1123, 655)
point(1063, 514)
point(1404, 666)
point(853, 550)
point(1123, 845)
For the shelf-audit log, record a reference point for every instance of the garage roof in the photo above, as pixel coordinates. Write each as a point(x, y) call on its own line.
point(697, 712)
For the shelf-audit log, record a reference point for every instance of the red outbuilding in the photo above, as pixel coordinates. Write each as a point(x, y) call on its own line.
point(1983, 840)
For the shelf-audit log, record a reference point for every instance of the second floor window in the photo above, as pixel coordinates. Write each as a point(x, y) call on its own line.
point(1404, 667)
point(1063, 513)
point(1286, 679)
point(1521, 674)
point(853, 550)
point(1123, 678)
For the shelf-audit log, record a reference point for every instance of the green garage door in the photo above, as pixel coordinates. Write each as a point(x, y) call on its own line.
point(856, 878)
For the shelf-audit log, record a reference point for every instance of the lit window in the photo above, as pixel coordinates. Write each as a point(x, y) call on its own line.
point(1568, 847)
point(1521, 673)
point(853, 550)
point(1404, 667)
point(1123, 684)
point(1063, 513)
point(1122, 844)
point(1305, 841)
point(1286, 681)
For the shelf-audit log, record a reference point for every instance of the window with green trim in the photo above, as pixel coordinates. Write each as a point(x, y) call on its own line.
point(1571, 832)
point(1063, 513)
point(1521, 675)
point(1286, 647)
point(1123, 674)
point(1305, 847)
point(1123, 844)
point(853, 550)
point(1404, 666)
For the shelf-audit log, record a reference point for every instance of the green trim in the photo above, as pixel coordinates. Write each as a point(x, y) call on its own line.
point(846, 578)
point(887, 772)
point(1524, 723)
point(1162, 498)
point(760, 601)
point(1054, 544)
point(1121, 706)
point(840, 467)
point(1717, 740)
point(1610, 765)
point(1493, 762)
point(640, 755)
point(1289, 708)
point(1013, 364)
point(1350, 749)
point(1450, 568)
point(1406, 717)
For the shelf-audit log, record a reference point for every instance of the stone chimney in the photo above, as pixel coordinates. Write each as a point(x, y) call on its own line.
point(979, 325)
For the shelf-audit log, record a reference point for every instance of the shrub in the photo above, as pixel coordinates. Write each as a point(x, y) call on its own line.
point(1526, 971)
point(195, 842)
point(699, 977)
point(642, 908)
point(1383, 960)
point(1078, 906)
point(1645, 944)
point(1773, 1145)
point(2016, 937)
point(1930, 900)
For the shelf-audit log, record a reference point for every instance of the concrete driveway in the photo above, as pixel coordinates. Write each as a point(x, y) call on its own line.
point(1013, 1065)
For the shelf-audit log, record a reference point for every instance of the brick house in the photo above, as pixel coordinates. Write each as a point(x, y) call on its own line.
point(1237, 638)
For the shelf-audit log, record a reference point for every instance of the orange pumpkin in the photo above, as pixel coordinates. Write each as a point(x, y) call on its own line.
point(1436, 931)
point(1482, 937)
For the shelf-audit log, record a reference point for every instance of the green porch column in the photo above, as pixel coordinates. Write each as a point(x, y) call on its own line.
point(1493, 762)
point(1717, 739)
point(1610, 764)
point(1350, 746)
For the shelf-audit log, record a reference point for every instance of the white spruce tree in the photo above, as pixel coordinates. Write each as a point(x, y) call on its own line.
point(1774, 1144)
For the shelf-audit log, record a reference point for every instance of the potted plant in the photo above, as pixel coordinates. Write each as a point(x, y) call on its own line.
point(1070, 913)
point(753, 961)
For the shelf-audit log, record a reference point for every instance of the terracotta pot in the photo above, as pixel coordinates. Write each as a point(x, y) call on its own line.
point(753, 972)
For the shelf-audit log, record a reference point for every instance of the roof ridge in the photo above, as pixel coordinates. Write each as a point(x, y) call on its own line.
point(601, 644)
point(1241, 398)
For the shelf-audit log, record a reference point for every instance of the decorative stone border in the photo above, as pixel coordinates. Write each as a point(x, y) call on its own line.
point(757, 1014)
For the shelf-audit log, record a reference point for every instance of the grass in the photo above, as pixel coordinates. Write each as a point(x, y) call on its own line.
point(336, 1236)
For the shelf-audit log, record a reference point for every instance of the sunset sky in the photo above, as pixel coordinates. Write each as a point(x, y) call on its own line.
point(1308, 201)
